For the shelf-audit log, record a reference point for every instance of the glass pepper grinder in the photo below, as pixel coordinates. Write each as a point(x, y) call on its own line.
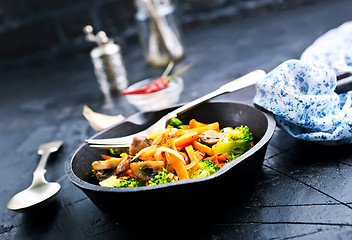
point(108, 64)
point(159, 31)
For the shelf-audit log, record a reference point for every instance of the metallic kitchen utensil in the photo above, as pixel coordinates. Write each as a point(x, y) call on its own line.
point(40, 190)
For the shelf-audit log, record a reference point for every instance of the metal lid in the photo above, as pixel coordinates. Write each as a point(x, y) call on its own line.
point(100, 38)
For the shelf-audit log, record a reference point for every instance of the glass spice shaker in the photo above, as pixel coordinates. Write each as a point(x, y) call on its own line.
point(108, 64)
point(159, 31)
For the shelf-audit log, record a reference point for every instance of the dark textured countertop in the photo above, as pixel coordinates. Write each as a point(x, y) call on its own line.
point(304, 190)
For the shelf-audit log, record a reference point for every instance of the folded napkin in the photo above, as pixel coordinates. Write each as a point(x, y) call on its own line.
point(301, 95)
point(334, 48)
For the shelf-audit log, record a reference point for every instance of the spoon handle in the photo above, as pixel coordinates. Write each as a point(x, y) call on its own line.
point(44, 150)
point(237, 84)
point(38, 174)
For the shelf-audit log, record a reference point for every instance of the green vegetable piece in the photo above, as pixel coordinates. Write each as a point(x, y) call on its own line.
point(235, 142)
point(175, 122)
point(161, 178)
point(117, 152)
point(113, 181)
point(231, 157)
point(226, 130)
point(207, 168)
point(109, 182)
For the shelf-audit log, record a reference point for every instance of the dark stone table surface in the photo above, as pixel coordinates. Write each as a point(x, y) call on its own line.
point(304, 189)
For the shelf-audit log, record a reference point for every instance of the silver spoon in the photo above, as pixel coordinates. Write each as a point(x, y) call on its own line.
point(40, 190)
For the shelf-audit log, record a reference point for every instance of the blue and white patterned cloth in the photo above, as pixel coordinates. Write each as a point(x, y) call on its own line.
point(301, 95)
point(334, 48)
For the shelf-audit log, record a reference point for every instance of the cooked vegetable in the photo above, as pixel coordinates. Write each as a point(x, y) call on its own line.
point(138, 143)
point(195, 124)
point(211, 126)
point(117, 152)
point(162, 177)
point(106, 164)
point(186, 139)
point(230, 158)
point(113, 181)
point(124, 165)
point(211, 137)
point(207, 168)
point(175, 153)
point(236, 142)
point(203, 148)
point(192, 156)
point(147, 170)
point(175, 122)
point(103, 174)
point(178, 165)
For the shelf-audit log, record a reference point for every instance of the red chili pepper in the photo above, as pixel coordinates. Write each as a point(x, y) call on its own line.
point(155, 86)
point(159, 83)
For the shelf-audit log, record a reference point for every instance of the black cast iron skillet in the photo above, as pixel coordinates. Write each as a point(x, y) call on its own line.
point(183, 195)
point(130, 204)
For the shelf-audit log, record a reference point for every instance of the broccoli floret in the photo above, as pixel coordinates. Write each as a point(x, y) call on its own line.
point(243, 140)
point(243, 134)
point(130, 182)
point(231, 157)
point(235, 142)
point(117, 152)
point(127, 181)
point(207, 168)
point(175, 122)
point(226, 130)
point(162, 177)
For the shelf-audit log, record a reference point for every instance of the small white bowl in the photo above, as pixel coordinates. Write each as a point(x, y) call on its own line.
point(156, 100)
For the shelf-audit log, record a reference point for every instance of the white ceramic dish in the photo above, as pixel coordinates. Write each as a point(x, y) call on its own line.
point(156, 100)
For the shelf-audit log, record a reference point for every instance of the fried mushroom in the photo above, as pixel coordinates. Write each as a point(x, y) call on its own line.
point(138, 143)
point(111, 163)
point(211, 137)
point(146, 170)
point(124, 165)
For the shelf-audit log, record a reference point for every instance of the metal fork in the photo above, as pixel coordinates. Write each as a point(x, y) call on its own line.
point(237, 84)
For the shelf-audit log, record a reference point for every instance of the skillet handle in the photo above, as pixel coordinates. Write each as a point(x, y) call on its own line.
point(344, 82)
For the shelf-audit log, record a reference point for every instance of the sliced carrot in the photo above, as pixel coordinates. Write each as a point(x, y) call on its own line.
point(186, 139)
point(222, 157)
point(181, 132)
point(165, 138)
point(185, 127)
point(192, 156)
point(195, 124)
point(211, 126)
point(203, 148)
point(220, 165)
point(128, 172)
point(178, 165)
point(172, 144)
point(105, 156)
point(199, 155)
